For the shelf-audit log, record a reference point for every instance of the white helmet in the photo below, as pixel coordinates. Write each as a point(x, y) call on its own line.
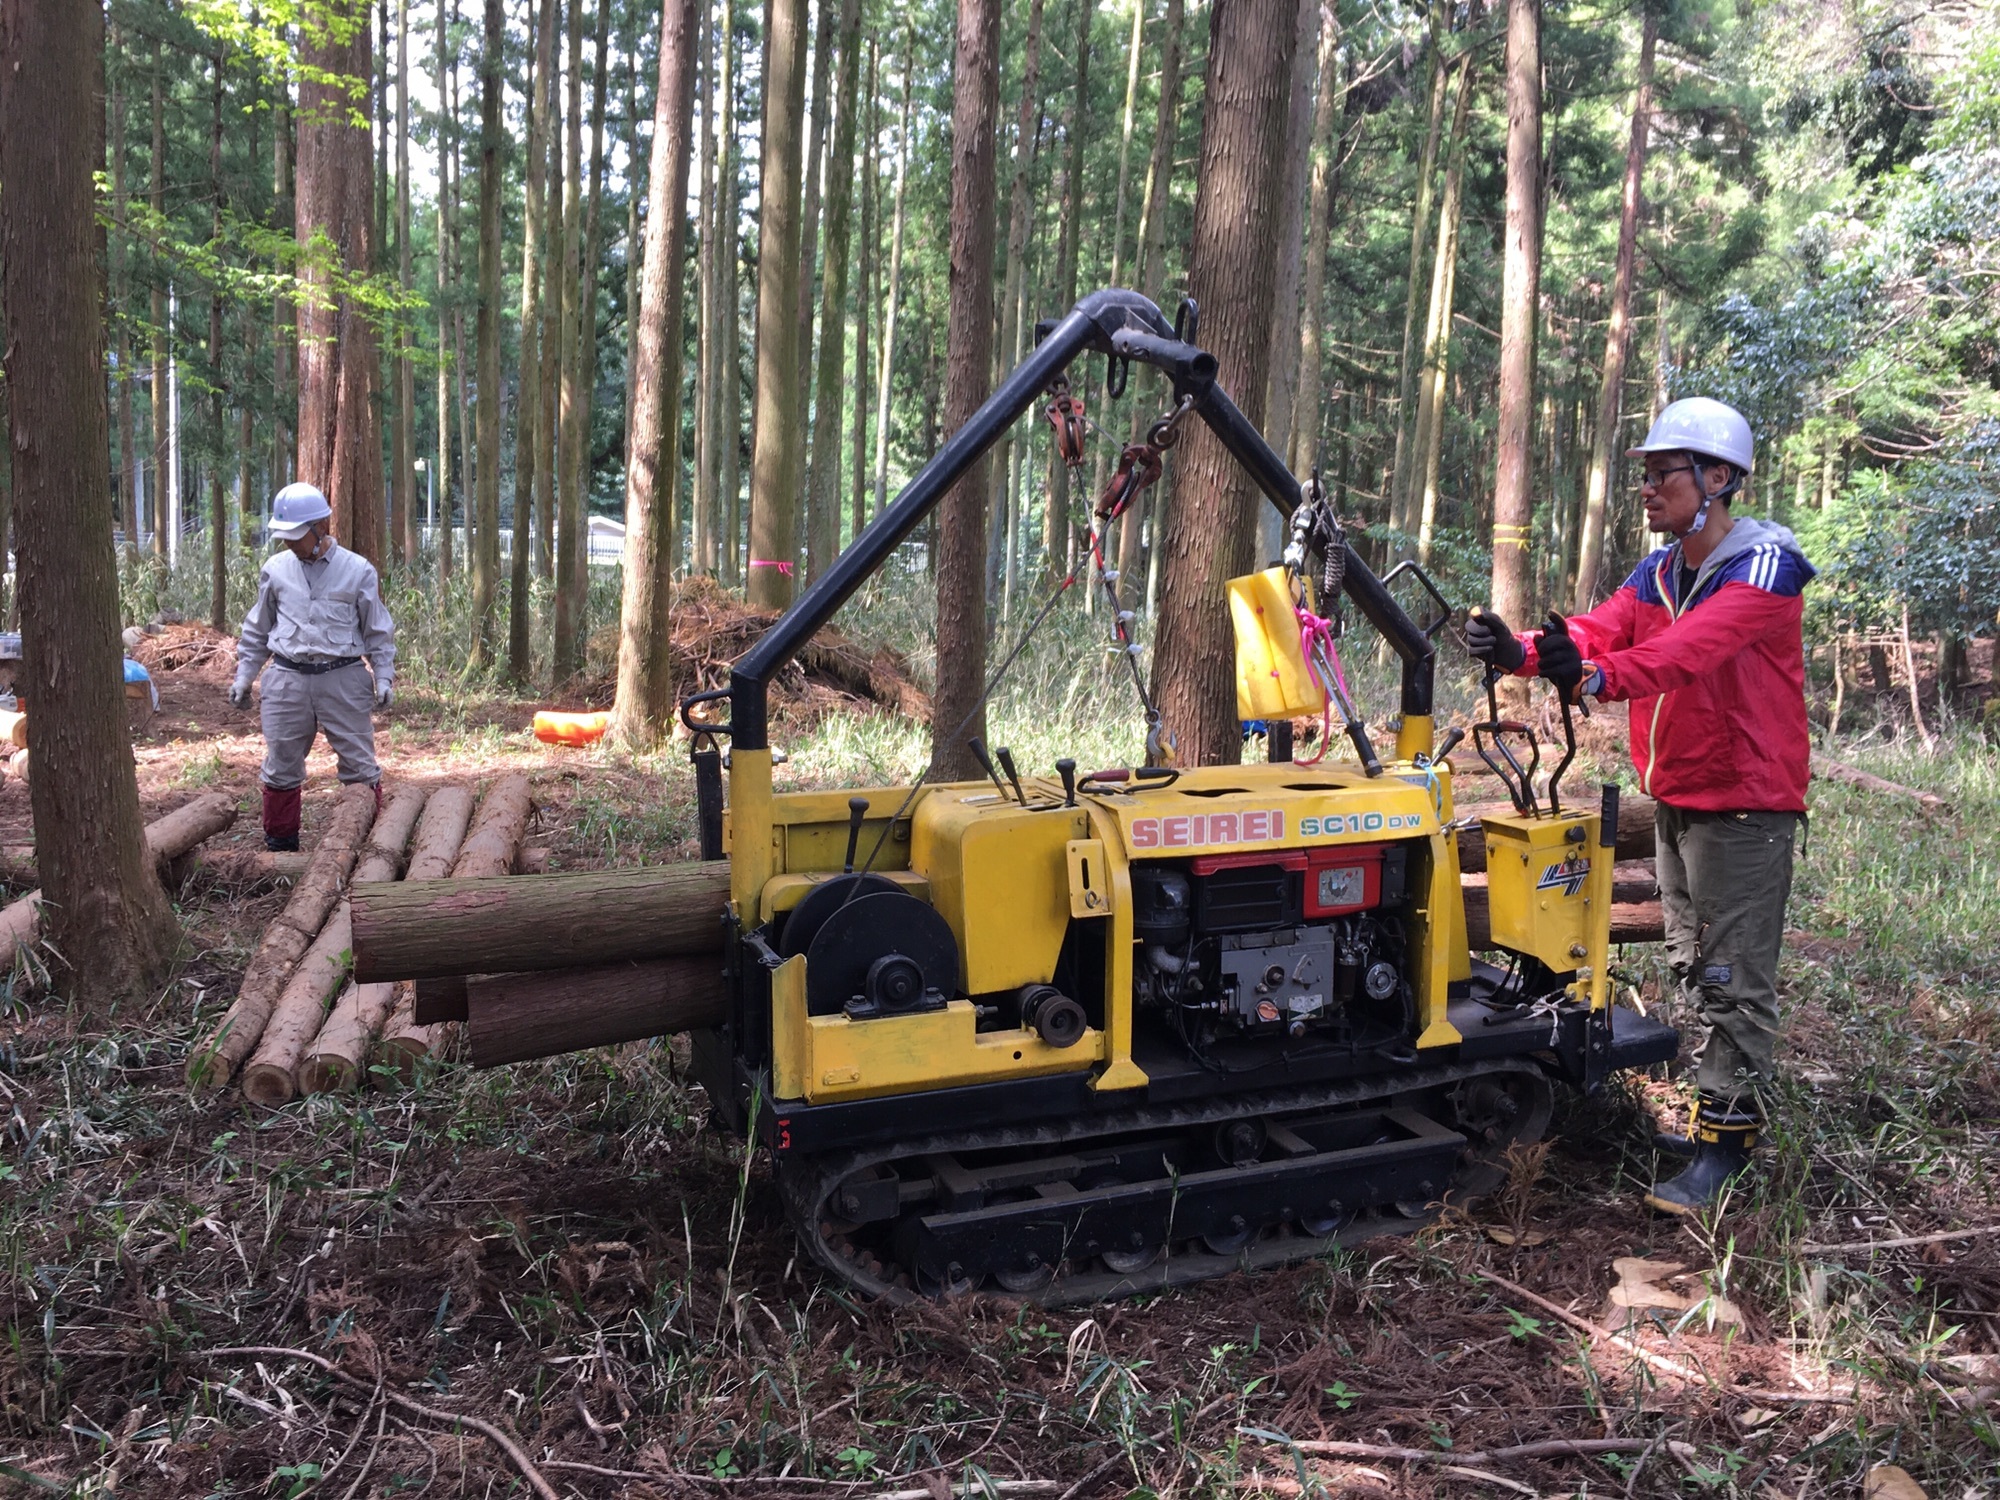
point(1700, 425)
point(294, 508)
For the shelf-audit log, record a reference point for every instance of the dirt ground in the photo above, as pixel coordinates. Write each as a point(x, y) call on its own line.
point(565, 1253)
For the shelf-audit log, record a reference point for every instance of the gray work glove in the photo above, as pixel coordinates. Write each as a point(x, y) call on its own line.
point(385, 694)
point(239, 690)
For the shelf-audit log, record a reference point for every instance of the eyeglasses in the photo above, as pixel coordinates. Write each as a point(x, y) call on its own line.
point(1651, 480)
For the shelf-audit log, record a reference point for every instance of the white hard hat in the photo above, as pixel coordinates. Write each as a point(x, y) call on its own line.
point(294, 508)
point(1697, 424)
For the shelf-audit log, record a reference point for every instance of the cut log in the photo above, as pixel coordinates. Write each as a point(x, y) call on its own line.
point(17, 766)
point(269, 1077)
point(514, 1017)
point(286, 940)
point(405, 1043)
point(335, 1059)
point(167, 838)
point(440, 831)
point(434, 928)
point(1834, 770)
point(382, 857)
point(1635, 830)
point(1631, 921)
point(440, 999)
point(495, 835)
point(249, 868)
point(13, 729)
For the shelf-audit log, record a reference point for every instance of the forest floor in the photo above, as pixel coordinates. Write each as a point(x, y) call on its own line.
point(565, 1252)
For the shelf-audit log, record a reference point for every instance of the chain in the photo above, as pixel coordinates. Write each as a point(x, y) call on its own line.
point(1066, 415)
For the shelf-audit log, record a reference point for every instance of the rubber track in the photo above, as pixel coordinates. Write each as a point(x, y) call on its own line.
point(806, 1185)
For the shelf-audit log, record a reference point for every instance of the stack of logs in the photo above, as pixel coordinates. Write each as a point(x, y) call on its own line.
point(539, 965)
point(300, 1023)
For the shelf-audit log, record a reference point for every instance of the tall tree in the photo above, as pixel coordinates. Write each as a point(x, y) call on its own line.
point(892, 299)
point(529, 434)
point(447, 146)
point(284, 327)
point(778, 446)
point(554, 256)
point(573, 565)
point(824, 467)
point(128, 478)
point(162, 330)
point(405, 446)
point(340, 449)
point(100, 900)
point(1056, 528)
point(1285, 319)
point(1427, 436)
point(809, 212)
point(643, 711)
point(1402, 482)
point(1520, 297)
point(1027, 127)
point(708, 317)
point(961, 574)
point(864, 292)
point(1153, 259)
point(569, 375)
point(1232, 269)
point(218, 505)
point(484, 547)
point(1305, 426)
point(1618, 332)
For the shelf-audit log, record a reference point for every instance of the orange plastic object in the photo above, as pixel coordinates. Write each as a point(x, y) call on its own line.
point(553, 727)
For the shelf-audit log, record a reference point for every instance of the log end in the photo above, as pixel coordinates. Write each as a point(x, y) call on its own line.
point(328, 1073)
point(269, 1085)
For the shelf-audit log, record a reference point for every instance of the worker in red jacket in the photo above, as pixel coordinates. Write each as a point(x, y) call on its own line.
point(1703, 642)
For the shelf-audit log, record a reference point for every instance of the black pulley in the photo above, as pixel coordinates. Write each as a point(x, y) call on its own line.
point(888, 950)
point(803, 922)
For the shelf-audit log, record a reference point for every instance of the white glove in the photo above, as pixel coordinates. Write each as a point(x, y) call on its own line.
point(384, 695)
point(239, 691)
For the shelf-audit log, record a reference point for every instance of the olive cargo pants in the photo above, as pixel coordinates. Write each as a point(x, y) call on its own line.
point(1724, 879)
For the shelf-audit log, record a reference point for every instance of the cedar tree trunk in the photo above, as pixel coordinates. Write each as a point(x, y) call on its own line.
point(99, 893)
point(1513, 483)
point(1232, 267)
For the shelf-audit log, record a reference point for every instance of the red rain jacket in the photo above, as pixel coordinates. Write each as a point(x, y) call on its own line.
point(1716, 681)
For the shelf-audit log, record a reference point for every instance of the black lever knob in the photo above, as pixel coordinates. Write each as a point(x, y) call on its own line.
point(1066, 768)
point(857, 809)
point(1006, 758)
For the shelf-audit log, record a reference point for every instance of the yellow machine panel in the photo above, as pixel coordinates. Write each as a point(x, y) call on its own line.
point(1549, 889)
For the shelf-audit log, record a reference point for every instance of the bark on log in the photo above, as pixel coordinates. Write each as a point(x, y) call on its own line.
point(382, 857)
point(334, 1062)
point(286, 940)
point(1635, 831)
point(435, 928)
point(514, 1017)
point(269, 1076)
point(495, 835)
point(167, 838)
point(250, 868)
point(440, 832)
point(1834, 770)
point(440, 999)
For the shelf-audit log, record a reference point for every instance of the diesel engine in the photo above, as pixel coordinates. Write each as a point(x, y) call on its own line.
point(1286, 943)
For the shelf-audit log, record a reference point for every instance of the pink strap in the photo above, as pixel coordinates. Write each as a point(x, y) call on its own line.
point(1315, 631)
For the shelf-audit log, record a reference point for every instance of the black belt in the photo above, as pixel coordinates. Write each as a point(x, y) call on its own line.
point(314, 668)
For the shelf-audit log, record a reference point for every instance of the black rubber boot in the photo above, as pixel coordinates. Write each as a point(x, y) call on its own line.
point(1668, 1144)
point(1723, 1141)
point(282, 843)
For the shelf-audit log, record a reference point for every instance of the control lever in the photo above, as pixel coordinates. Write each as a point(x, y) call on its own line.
point(1557, 625)
point(1066, 768)
point(1486, 739)
point(857, 809)
point(1453, 738)
point(978, 749)
point(1006, 759)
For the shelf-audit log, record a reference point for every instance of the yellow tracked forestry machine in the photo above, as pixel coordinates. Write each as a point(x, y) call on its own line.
point(1079, 1035)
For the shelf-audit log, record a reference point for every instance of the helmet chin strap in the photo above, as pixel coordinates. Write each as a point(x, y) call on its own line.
point(1701, 516)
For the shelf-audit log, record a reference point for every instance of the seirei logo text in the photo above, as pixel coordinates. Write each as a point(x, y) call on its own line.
point(1202, 829)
